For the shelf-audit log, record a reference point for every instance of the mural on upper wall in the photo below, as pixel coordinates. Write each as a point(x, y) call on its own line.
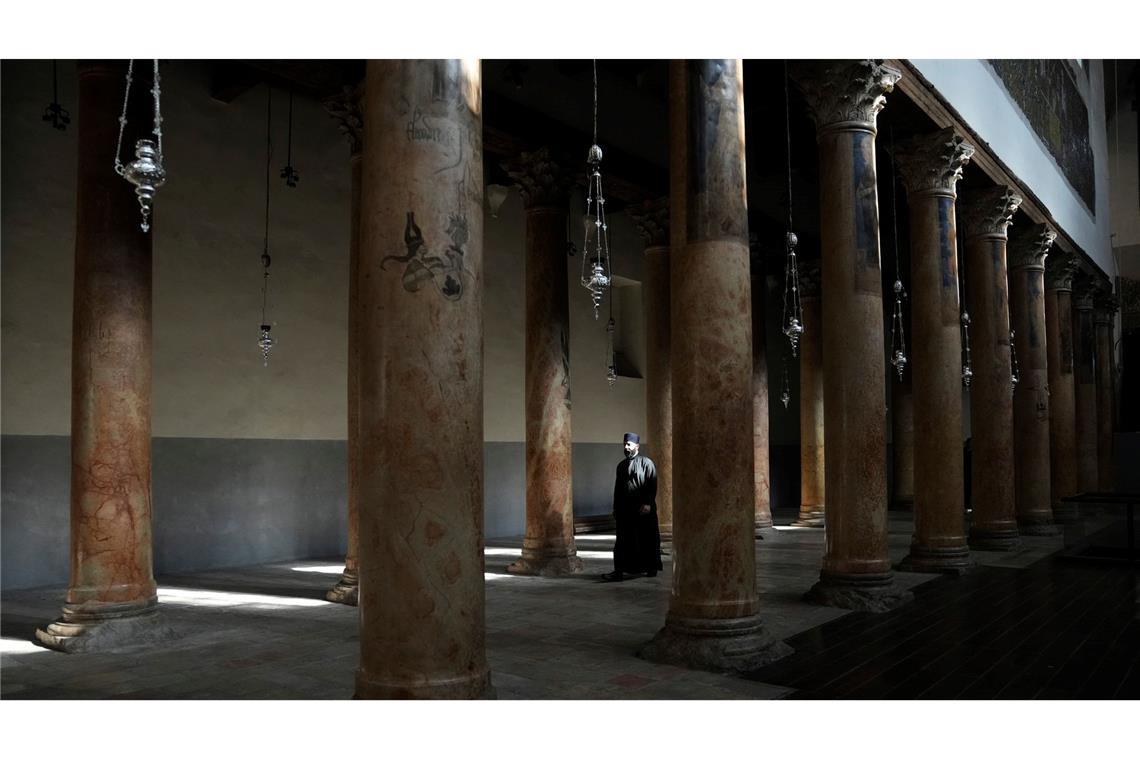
point(1045, 91)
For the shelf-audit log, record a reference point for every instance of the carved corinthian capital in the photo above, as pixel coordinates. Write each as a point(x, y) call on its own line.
point(932, 162)
point(542, 182)
point(844, 91)
point(1084, 291)
point(345, 108)
point(1106, 305)
point(652, 221)
point(988, 212)
point(1031, 247)
point(1059, 270)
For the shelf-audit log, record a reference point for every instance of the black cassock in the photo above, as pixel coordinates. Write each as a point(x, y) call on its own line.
point(638, 547)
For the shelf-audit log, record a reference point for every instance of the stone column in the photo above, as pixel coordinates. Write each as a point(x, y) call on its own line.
point(345, 108)
point(1105, 315)
point(652, 221)
point(422, 623)
point(1059, 271)
point(985, 218)
point(902, 438)
point(845, 98)
point(713, 621)
point(1086, 401)
point(811, 401)
point(761, 484)
point(111, 597)
point(1032, 494)
point(930, 166)
point(548, 546)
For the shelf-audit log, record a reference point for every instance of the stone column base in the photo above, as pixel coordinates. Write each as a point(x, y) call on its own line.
point(472, 687)
point(105, 628)
point(734, 645)
point(999, 540)
point(547, 566)
point(953, 560)
point(865, 593)
point(810, 519)
point(346, 590)
point(1037, 526)
point(767, 531)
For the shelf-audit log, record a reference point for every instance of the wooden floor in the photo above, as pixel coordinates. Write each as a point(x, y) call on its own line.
point(1062, 629)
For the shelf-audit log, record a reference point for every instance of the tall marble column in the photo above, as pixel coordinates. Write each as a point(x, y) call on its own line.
point(845, 98)
point(422, 625)
point(1032, 481)
point(345, 108)
point(902, 440)
point(548, 545)
point(652, 221)
point(1059, 271)
point(1106, 307)
point(1088, 473)
point(985, 217)
point(761, 484)
point(930, 166)
point(812, 449)
point(111, 597)
point(713, 621)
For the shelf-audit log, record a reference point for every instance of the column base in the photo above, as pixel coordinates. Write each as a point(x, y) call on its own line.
point(810, 519)
point(733, 645)
point(952, 560)
point(466, 687)
point(346, 590)
point(105, 628)
point(999, 540)
point(1037, 526)
point(547, 566)
point(866, 593)
point(766, 532)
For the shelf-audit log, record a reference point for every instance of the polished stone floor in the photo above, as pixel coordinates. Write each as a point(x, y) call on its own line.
point(266, 632)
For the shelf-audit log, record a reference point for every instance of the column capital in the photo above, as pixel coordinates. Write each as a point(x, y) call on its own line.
point(840, 92)
point(933, 162)
point(345, 108)
point(988, 212)
point(1030, 248)
point(1106, 304)
point(811, 279)
point(542, 181)
point(1084, 291)
point(1059, 271)
point(651, 217)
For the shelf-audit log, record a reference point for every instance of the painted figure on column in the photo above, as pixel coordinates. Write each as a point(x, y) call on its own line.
point(638, 547)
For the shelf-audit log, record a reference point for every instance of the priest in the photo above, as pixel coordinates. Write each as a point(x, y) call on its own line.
point(638, 547)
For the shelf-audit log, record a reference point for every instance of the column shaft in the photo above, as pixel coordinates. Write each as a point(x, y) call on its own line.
point(111, 594)
point(1104, 392)
point(762, 491)
point(812, 450)
point(712, 621)
point(421, 383)
point(1032, 481)
point(1088, 474)
point(986, 218)
point(1062, 402)
point(902, 438)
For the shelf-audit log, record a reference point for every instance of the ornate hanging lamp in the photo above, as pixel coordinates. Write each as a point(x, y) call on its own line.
point(288, 173)
point(793, 319)
point(596, 272)
point(146, 172)
point(1014, 375)
point(786, 392)
point(264, 341)
point(898, 334)
point(967, 369)
point(59, 116)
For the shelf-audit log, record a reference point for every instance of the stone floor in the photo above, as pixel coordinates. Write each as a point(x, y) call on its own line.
point(265, 632)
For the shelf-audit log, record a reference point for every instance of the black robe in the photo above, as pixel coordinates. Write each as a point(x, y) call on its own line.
point(638, 547)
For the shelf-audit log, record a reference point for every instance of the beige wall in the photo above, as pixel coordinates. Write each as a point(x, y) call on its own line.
point(208, 377)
